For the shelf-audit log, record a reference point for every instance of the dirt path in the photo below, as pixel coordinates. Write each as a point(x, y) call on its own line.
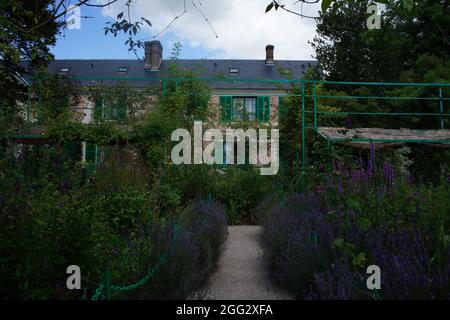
point(241, 274)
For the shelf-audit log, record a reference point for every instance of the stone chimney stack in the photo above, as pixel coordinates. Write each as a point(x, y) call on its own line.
point(269, 54)
point(153, 55)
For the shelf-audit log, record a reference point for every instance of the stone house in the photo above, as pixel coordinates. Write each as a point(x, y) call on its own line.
point(238, 87)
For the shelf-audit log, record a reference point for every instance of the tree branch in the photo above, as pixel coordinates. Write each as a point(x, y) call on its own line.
point(283, 6)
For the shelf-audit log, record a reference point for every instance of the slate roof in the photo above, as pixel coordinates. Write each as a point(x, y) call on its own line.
point(248, 69)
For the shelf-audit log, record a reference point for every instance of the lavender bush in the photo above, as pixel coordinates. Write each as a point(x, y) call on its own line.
point(320, 243)
point(297, 240)
point(199, 235)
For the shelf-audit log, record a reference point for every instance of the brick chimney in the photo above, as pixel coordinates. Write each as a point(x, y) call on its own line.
point(269, 54)
point(153, 55)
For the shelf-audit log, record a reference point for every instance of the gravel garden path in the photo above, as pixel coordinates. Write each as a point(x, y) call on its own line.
point(241, 274)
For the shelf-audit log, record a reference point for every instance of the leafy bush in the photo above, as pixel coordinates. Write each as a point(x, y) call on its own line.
point(290, 238)
point(241, 189)
point(191, 243)
point(65, 216)
point(406, 271)
point(319, 244)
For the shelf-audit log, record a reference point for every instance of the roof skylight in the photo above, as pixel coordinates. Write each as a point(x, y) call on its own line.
point(234, 70)
point(122, 69)
point(64, 70)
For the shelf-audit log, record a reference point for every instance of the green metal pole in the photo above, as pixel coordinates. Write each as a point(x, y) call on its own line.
point(315, 106)
point(209, 197)
point(441, 103)
point(108, 283)
point(28, 104)
point(164, 87)
point(303, 146)
point(96, 158)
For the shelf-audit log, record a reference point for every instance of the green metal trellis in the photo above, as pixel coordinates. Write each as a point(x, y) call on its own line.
point(281, 90)
point(316, 113)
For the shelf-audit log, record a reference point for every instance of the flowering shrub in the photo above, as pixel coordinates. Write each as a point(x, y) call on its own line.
point(291, 240)
point(319, 244)
point(54, 214)
point(194, 241)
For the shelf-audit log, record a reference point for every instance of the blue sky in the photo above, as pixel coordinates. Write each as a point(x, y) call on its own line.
point(242, 27)
point(90, 42)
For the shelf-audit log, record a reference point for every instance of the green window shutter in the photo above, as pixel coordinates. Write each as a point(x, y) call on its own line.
point(263, 109)
point(121, 108)
point(280, 107)
point(91, 156)
point(226, 109)
point(108, 110)
point(98, 111)
point(259, 108)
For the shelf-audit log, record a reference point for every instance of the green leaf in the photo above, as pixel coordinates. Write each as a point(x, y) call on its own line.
point(408, 4)
point(364, 223)
point(269, 7)
point(338, 242)
point(360, 260)
point(147, 21)
point(326, 4)
point(353, 203)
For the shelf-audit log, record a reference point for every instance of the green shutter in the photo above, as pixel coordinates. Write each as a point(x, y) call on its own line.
point(121, 108)
point(108, 110)
point(91, 156)
point(226, 109)
point(98, 112)
point(283, 108)
point(280, 107)
point(263, 109)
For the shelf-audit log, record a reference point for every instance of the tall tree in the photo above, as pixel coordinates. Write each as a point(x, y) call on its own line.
point(21, 37)
point(349, 51)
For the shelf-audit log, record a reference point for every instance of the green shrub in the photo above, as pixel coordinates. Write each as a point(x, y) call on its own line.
point(241, 189)
point(192, 244)
point(66, 216)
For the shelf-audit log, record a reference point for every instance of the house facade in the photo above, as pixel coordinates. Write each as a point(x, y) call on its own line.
point(250, 89)
point(255, 85)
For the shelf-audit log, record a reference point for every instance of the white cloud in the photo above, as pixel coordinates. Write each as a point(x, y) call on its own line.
point(242, 26)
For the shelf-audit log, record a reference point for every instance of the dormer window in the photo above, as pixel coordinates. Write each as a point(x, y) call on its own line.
point(234, 70)
point(64, 70)
point(122, 70)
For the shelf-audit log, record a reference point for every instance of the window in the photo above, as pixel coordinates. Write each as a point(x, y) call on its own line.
point(245, 108)
point(64, 70)
point(114, 109)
